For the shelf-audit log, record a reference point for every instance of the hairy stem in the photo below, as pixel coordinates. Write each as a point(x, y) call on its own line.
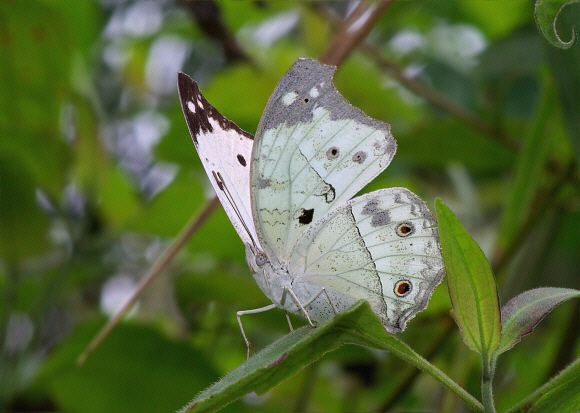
point(407, 354)
point(487, 385)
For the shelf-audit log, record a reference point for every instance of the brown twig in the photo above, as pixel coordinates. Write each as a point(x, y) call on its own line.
point(353, 30)
point(155, 269)
point(209, 19)
point(421, 88)
point(438, 99)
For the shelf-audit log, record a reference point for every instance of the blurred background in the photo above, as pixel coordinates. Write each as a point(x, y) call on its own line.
point(99, 174)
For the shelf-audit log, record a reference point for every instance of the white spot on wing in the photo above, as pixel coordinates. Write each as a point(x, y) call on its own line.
point(289, 98)
point(191, 106)
point(314, 92)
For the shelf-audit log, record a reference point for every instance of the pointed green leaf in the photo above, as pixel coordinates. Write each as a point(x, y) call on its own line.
point(303, 346)
point(561, 394)
point(528, 171)
point(523, 312)
point(547, 12)
point(471, 284)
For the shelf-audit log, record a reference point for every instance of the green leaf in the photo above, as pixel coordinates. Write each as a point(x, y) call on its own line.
point(484, 14)
point(547, 13)
point(471, 284)
point(439, 142)
point(561, 394)
point(523, 312)
point(23, 225)
point(296, 350)
point(136, 369)
point(528, 171)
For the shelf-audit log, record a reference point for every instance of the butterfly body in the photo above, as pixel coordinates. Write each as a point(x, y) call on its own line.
point(312, 248)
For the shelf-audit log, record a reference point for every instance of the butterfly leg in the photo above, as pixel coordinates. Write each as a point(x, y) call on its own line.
point(289, 322)
point(239, 315)
point(323, 290)
point(288, 290)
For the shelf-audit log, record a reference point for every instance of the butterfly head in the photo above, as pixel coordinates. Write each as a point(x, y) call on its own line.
point(261, 259)
point(255, 259)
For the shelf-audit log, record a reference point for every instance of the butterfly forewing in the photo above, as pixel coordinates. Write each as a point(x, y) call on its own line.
point(313, 152)
point(382, 247)
point(225, 151)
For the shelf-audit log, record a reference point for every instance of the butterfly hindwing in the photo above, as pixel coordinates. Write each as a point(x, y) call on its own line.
point(225, 151)
point(313, 152)
point(382, 247)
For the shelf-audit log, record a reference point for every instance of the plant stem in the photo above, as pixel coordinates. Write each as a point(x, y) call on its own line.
point(353, 30)
point(487, 385)
point(421, 88)
point(406, 353)
point(412, 375)
point(159, 265)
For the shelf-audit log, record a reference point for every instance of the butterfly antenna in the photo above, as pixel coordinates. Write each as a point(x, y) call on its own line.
point(223, 187)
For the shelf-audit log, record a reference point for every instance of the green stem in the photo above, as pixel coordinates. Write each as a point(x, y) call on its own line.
point(406, 353)
point(487, 385)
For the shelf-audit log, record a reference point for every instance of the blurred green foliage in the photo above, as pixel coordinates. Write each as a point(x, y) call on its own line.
point(98, 173)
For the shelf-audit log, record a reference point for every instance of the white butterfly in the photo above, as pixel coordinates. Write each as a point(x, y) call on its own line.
point(311, 248)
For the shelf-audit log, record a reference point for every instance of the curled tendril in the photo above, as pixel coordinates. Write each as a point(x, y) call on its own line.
point(547, 13)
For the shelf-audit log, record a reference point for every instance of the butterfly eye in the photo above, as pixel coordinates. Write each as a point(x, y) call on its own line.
point(404, 229)
point(403, 288)
point(261, 259)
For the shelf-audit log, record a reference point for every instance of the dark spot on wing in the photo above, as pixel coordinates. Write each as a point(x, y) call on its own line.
point(404, 229)
point(380, 219)
point(403, 288)
point(263, 182)
point(332, 152)
point(359, 157)
point(241, 160)
point(306, 216)
point(371, 207)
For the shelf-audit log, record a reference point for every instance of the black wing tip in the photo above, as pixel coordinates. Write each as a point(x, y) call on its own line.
point(186, 85)
point(181, 77)
point(198, 116)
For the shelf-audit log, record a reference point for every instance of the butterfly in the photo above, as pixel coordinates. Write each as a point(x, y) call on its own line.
point(312, 248)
